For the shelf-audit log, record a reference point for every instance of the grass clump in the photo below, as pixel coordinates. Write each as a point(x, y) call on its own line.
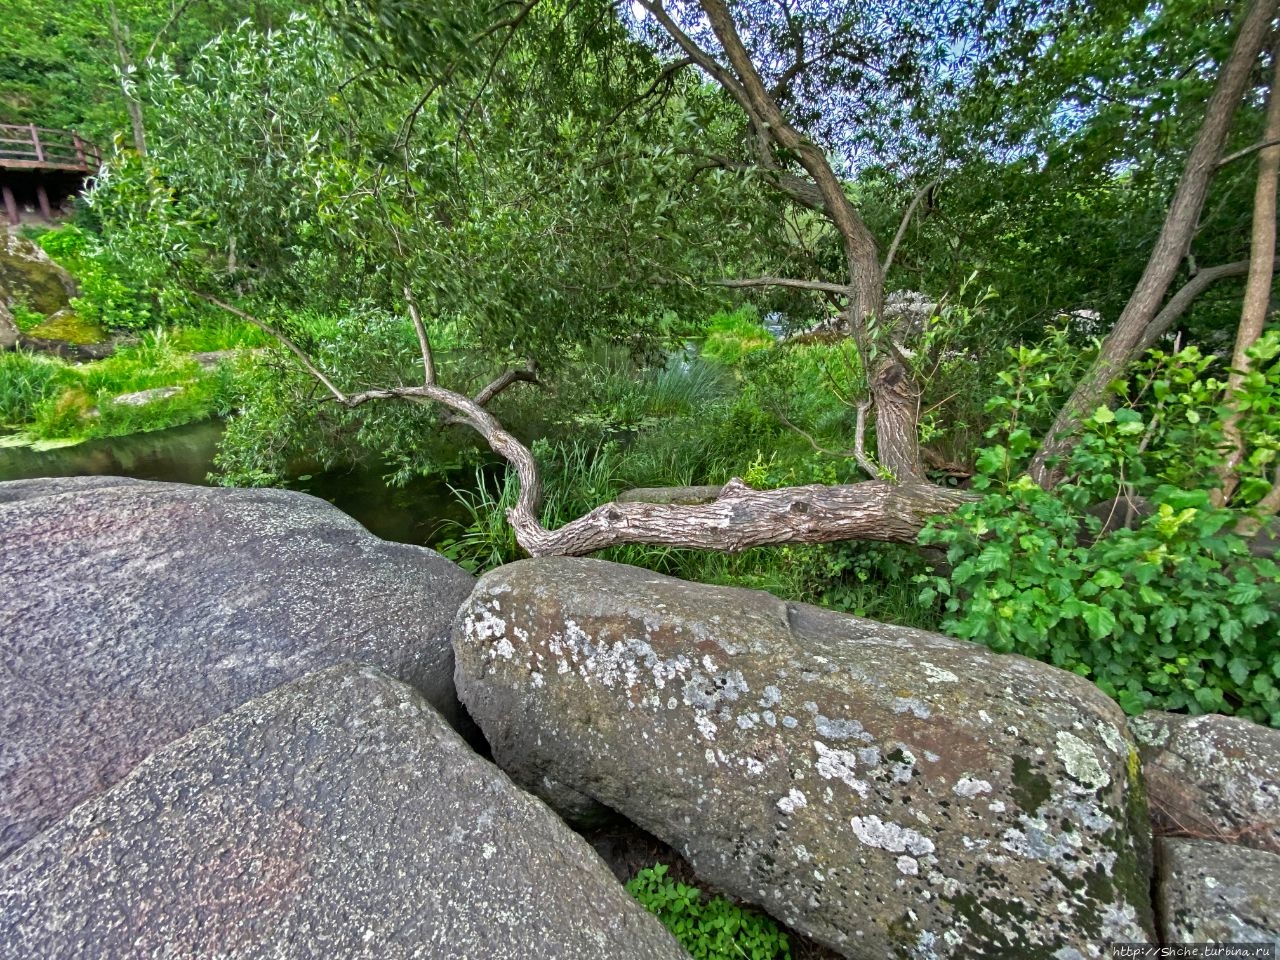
point(27, 380)
point(730, 336)
point(709, 928)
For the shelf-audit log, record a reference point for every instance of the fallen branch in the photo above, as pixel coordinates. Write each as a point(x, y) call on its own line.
point(741, 518)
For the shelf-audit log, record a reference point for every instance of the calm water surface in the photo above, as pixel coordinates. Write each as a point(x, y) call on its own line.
point(418, 513)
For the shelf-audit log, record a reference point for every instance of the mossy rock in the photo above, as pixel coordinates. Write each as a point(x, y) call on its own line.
point(28, 276)
point(67, 326)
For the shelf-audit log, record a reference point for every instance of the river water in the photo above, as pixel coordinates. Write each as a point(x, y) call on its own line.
point(419, 513)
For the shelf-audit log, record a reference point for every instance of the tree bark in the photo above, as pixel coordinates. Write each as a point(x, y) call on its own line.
point(741, 518)
point(1121, 344)
point(1257, 292)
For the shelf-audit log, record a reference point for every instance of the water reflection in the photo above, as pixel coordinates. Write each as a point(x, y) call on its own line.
point(418, 513)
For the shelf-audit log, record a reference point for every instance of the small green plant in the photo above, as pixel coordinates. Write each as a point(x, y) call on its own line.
point(25, 318)
point(710, 929)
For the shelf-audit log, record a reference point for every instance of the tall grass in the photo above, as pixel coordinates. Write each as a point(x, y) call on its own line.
point(26, 381)
point(48, 399)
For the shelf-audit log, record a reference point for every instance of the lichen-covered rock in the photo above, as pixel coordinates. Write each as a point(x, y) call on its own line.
point(338, 816)
point(1212, 777)
point(29, 277)
point(131, 613)
point(1217, 893)
point(889, 792)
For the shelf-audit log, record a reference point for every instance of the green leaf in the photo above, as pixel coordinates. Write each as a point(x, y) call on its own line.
point(1100, 620)
point(1108, 578)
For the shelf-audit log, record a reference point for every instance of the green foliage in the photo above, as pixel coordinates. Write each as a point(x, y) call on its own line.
point(731, 336)
point(47, 399)
point(61, 67)
point(710, 929)
point(25, 318)
point(106, 299)
point(1174, 613)
point(26, 381)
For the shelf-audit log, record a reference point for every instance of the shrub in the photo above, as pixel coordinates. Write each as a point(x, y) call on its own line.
point(710, 929)
point(1174, 613)
point(106, 299)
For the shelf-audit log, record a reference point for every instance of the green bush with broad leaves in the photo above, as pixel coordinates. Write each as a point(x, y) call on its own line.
point(105, 297)
point(1173, 613)
point(710, 929)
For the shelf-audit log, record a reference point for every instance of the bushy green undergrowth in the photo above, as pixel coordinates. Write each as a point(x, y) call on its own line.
point(709, 928)
point(1174, 613)
point(106, 298)
point(44, 398)
point(730, 336)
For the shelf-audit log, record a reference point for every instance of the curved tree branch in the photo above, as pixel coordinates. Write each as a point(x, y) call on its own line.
point(906, 222)
point(1241, 154)
point(736, 518)
point(1179, 303)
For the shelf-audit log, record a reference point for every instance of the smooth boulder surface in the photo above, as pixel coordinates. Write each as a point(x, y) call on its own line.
point(1218, 893)
point(337, 817)
point(131, 613)
point(1214, 777)
point(886, 791)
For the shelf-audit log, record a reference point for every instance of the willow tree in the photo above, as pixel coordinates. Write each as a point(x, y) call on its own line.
point(574, 170)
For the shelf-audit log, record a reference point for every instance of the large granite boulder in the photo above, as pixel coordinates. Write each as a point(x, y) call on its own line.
point(131, 613)
point(886, 791)
point(1212, 777)
point(338, 816)
point(1217, 893)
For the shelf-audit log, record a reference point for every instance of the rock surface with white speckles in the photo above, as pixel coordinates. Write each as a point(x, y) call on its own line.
point(1213, 776)
point(338, 817)
point(1217, 893)
point(889, 792)
point(132, 612)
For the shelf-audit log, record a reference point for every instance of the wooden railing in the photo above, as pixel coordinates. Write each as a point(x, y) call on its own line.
point(39, 148)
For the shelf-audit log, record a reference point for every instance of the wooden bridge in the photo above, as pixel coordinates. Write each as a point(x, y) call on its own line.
point(35, 160)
